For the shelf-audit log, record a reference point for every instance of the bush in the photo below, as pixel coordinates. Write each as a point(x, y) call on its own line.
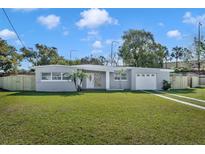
point(181, 69)
point(166, 85)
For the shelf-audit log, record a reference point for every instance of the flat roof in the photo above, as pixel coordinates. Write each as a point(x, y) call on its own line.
point(103, 67)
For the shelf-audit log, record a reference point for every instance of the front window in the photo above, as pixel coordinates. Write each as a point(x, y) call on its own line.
point(117, 76)
point(120, 76)
point(66, 76)
point(46, 76)
point(124, 76)
point(56, 76)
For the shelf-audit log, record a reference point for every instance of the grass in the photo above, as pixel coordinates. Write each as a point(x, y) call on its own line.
point(97, 118)
point(198, 93)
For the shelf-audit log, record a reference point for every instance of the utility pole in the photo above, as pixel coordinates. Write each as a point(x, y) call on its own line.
point(199, 47)
point(111, 54)
point(71, 51)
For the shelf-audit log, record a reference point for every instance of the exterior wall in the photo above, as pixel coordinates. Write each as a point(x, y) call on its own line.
point(101, 82)
point(54, 85)
point(120, 84)
point(161, 75)
point(130, 84)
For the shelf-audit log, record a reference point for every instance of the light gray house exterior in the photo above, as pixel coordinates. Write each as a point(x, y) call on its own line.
point(56, 77)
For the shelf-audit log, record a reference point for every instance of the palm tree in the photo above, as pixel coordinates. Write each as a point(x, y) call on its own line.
point(77, 77)
point(177, 53)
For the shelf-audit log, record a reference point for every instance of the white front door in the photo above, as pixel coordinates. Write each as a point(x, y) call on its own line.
point(90, 82)
point(146, 82)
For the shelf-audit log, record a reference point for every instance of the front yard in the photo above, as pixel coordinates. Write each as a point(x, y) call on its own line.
point(198, 93)
point(97, 118)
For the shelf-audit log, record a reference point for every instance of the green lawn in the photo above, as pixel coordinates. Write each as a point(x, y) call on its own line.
point(97, 118)
point(198, 93)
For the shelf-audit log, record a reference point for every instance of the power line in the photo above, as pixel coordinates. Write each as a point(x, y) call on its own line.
point(12, 26)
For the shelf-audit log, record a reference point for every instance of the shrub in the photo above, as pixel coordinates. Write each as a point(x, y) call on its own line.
point(166, 85)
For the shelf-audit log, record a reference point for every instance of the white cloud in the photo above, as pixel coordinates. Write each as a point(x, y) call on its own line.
point(51, 21)
point(96, 51)
point(108, 41)
point(94, 18)
point(91, 35)
point(96, 47)
point(7, 34)
point(174, 34)
point(65, 32)
point(189, 19)
point(161, 24)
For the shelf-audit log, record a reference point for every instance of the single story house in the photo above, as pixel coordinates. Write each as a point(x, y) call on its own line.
point(57, 77)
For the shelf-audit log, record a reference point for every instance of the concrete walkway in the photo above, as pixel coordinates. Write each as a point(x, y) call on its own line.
point(176, 100)
point(190, 98)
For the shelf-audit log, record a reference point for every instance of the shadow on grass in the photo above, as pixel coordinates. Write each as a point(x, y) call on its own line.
point(66, 94)
point(33, 93)
point(182, 91)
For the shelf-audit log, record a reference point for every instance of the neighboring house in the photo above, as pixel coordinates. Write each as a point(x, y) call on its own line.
point(56, 77)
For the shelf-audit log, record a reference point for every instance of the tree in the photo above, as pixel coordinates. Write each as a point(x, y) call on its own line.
point(139, 49)
point(77, 77)
point(43, 55)
point(114, 59)
point(187, 55)
point(161, 55)
point(9, 57)
point(177, 53)
point(101, 60)
point(166, 56)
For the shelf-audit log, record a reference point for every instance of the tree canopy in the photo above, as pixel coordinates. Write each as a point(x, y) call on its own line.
point(101, 60)
point(139, 49)
point(9, 57)
point(43, 55)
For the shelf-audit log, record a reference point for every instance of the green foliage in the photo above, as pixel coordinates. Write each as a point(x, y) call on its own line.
point(177, 53)
point(181, 69)
point(139, 49)
point(187, 55)
point(101, 60)
point(43, 55)
point(9, 58)
point(166, 85)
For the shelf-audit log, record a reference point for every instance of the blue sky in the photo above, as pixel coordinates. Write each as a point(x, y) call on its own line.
point(90, 31)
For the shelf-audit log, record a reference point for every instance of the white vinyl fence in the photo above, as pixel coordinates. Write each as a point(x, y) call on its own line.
point(18, 83)
point(202, 80)
point(184, 81)
point(179, 82)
